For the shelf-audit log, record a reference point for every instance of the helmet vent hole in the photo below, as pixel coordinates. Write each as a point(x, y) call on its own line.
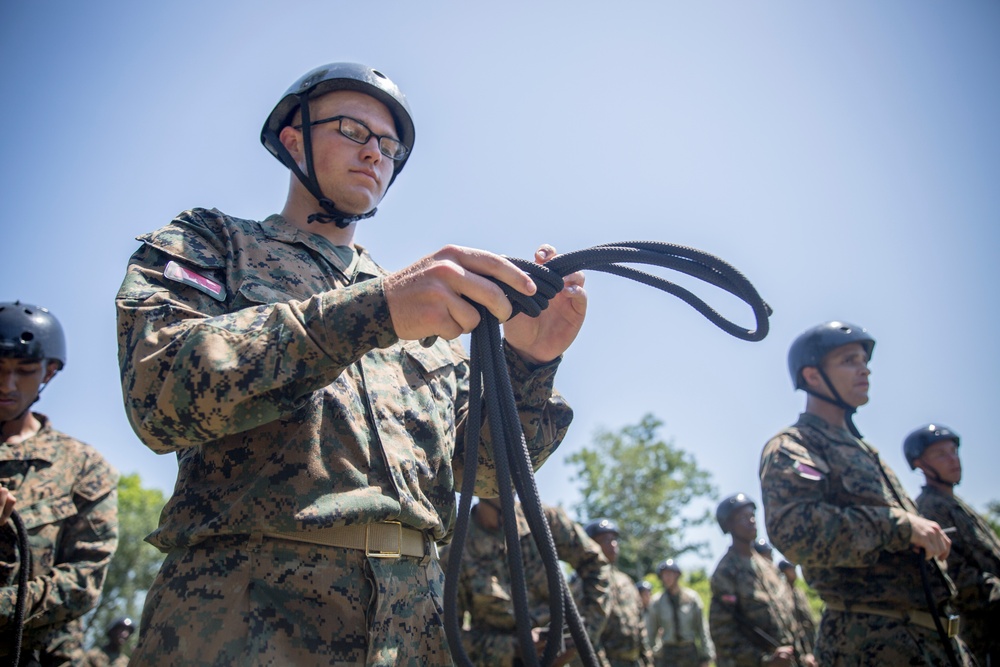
point(27, 337)
point(378, 74)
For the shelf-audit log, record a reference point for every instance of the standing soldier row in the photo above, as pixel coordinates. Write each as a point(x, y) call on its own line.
point(832, 505)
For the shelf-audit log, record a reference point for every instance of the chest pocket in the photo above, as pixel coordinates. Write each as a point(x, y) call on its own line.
point(863, 480)
point(431, 367)
point(48, 511)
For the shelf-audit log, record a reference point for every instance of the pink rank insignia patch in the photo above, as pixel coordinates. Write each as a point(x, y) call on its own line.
point(181, 274)
point(729, 599)
point(807, 472)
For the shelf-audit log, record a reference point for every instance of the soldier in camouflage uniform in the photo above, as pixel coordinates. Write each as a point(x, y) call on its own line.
point(752, 614)
point(484, 585)
point(64, 492)
point(834, 507)
point(676, 623)
point(111, 653)
point(803, 612)
point(319, 442)
point(974, 561)
point(623, 642)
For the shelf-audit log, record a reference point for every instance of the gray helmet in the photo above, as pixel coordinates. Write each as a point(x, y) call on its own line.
point(122, 622)
point(728, 507)
point(31, 332)
point(762, 547)
point(922, 438)
point(601, 526)
point(811, 346)
point(644, 585)
point(785, 565)
point(326, 79)
point(668, 565)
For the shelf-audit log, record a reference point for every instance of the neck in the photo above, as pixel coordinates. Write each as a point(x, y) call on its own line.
point(20, 429)
point(300, 205)
point(941, 487)
point(742, 547)
point(675, 589)
point(828, 412)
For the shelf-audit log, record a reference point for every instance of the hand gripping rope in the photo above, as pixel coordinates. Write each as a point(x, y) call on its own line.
point(490, 380)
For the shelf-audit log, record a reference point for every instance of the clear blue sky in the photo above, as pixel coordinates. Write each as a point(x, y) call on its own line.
point(845, 156)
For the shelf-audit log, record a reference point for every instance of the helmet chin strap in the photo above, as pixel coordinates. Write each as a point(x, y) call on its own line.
point(931, 474)
point(849, 410)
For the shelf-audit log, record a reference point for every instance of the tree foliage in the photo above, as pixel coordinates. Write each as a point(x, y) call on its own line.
point(135, 563)
point(642, 483)
point(993, 515)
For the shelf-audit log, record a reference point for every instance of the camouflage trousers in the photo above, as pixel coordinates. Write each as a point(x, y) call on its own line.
point(682, 655)
point(864, 640)
point(284, 603)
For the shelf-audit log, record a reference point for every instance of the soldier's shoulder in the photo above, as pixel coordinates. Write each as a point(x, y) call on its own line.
point(791, 447)
point(93, 477)
point(199, 235)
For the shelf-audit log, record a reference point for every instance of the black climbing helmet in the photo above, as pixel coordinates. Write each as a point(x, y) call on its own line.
point(31, 332)
point(811, 346)
point(922, 438)
point(728, 507)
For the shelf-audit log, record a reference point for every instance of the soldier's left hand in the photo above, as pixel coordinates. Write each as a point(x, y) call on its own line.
point(541, 339)
point(809, 660)
point(7, 501)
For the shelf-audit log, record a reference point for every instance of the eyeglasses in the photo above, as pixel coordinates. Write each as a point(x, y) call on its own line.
point(360, 133)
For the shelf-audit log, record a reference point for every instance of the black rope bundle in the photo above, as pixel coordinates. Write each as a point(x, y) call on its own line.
point(23, 574)
point(491, 380)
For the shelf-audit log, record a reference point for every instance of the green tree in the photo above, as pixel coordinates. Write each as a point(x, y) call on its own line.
point(993, 515)
point(136, 562)
point(642, 483)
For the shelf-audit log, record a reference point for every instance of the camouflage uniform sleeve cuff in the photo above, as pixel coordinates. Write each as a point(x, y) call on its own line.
point(532, 383)
point(355, 320)
point(899, 539)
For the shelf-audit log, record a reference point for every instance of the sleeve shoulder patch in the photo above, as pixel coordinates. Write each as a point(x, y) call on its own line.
point(805, 462)
point(182, 274)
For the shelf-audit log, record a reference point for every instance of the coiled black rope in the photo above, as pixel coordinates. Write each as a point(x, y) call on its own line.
point(23, 575)
point(925, 580)
point(491, 381)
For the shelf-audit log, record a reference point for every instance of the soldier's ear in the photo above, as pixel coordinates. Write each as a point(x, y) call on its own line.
point(812, 377)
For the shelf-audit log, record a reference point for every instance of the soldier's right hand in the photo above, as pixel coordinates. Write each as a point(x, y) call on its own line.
point(783, 656)
point(425, 298)
point(929, 536)
point(7, 501)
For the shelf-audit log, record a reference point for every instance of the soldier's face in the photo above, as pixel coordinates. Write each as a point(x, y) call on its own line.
point(669, 578)
point(609, 545)
point(942, 458)
point(353, 175)
point(19, 383)
point(743, 524)
point(847, 368)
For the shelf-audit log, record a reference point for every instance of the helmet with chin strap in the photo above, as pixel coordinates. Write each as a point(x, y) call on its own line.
point(314, 84)
point(814, 344)
point(31, 332)
point(922, 438)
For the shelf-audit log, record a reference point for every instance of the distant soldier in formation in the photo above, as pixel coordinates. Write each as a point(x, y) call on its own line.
point(676, 623)
point(752, 615)
point(64, 491)
point(803, 612)
point(763, 547)
point(834, 507)
point(111, 653)
point(645, 595)
point(623, 640)
point(484, 584)
point(974, 561)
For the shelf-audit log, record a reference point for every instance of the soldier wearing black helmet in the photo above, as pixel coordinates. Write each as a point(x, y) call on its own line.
point(111, 652)
point(319, 442)
point(974, 561)
point(623, 641)
point(834, 507)
point(675, 625)
point(62, 489)
point(752, 614)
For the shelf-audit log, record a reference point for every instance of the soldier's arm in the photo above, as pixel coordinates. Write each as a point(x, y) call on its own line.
point(87, 543)
point(192, 371)
point(706, 649)
point(810, 530)
point(732, 644)
point(585, 556)
point(544, 415)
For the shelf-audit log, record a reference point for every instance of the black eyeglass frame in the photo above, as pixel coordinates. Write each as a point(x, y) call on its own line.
point(381, 137)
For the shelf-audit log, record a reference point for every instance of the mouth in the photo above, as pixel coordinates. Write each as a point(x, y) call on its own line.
point(370, 174)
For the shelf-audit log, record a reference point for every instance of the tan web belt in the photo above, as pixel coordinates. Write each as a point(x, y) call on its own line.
point(922, 619)
point(389, 539)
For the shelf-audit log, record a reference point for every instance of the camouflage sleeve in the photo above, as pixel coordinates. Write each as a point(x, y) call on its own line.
point(809, 529)
point(654, 623)
point(978, 589)
point(592, 569)
point(87, 543)
point(706, 649)
point(192, 372)
point(544, 414)
point(732, 646)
